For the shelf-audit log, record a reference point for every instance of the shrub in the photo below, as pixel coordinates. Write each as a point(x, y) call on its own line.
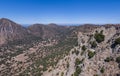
point(118, 59)
point(95, 75)
point(77, 61)
point(108, 59)
point(102, 70)
point(99, 37)
point(77, 71)
point(117, 41)
point(90, 54)
point(84, 48)
point(93, 44)
point(62, 73)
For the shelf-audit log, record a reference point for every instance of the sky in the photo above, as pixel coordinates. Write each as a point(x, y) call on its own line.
point(61, 11)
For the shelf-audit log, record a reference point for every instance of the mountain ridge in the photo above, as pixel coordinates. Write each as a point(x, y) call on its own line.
point(53, 50)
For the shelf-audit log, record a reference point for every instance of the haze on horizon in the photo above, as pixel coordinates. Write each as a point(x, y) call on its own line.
point(61, 11)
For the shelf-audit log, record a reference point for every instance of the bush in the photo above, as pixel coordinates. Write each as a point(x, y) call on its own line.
point(84, 48)
point(117, 41)
point(102, 70)
point(90, 54)
point(62, 73)
point(99, 37)
point(95, 75)
point(108, 59)
point(77, 61)
point(118, 59)
point(77, 71)
point(93, 44)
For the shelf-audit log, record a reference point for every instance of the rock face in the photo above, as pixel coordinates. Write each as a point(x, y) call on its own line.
point(95, 65)
point(9, 30)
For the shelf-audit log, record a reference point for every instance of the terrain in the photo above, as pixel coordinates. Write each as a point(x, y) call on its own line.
point(54, 50)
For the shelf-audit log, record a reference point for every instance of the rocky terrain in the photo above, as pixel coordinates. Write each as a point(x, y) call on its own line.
point(54, 50)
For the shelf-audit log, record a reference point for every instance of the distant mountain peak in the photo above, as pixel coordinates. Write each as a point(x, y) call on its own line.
point(5, 20)
point(52, 24)
point(10, 30)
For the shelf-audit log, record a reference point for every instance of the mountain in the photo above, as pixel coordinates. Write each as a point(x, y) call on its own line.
point(10, 31)
point(54, 50)
point(50, 31)
point(94, 55)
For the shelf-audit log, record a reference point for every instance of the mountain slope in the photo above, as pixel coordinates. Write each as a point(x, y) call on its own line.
point(53, 50)
point(10, 31)
point(91, 57)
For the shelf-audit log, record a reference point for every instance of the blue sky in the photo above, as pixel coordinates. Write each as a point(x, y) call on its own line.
point(61, 11)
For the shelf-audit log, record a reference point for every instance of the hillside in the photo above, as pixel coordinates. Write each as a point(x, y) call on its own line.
point(10, 31)
point(95, 55)
point(54, 50)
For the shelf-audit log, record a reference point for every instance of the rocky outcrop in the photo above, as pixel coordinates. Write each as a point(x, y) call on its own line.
point(95, 65)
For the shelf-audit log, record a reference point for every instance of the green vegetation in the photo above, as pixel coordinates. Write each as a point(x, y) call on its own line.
point(93, 44)
point(90, 54)
point(102, 70)
point(117, 41)
point(77, 71)
point(118, 59)
point(78, 61)
point(62, 74)
point(52, 56)
point(77, 67)
point(99, 37)
point(95, 75)
point(84, 48)
point(108, 59)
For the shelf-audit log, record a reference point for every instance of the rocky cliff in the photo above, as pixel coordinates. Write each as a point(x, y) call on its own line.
point(93, 56)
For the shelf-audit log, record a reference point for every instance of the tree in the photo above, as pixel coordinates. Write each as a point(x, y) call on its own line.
point(99, 37)
point(90, 54)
